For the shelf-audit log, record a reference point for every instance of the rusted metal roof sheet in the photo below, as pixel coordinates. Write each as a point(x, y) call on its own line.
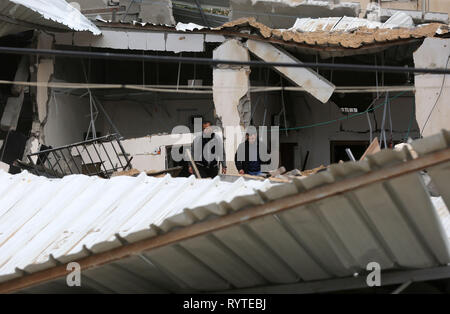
point(391, 221)
point(21, 15)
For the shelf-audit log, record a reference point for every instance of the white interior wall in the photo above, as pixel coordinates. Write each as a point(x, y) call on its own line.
point(149, 152)
point(67, 119)
point(141, 118)
point(317, 139)
point(140, 122)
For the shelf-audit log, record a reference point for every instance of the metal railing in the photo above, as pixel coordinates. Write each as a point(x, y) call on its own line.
point(101, 156)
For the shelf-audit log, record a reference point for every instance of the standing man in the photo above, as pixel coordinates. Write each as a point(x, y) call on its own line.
point(247, 158)
point(207, 152)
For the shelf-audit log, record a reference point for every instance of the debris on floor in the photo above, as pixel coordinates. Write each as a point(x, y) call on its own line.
point(153, 173)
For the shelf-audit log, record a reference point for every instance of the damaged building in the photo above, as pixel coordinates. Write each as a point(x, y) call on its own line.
point(103, 96)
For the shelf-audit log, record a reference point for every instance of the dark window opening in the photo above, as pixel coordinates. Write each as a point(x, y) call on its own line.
point(287, 155)
point(337, 149)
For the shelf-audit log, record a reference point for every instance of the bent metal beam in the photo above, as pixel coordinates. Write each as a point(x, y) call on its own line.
point(311, 81)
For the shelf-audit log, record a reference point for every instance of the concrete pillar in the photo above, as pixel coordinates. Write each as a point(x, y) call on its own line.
point(432, 90)
point(45, 70)
point(231, 96)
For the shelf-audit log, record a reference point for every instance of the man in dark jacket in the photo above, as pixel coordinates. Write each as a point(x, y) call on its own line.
point(208, 152)
point(247, 158)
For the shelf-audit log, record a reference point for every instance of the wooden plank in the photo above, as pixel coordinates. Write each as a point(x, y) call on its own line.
point(373, 148)
point(194, 166)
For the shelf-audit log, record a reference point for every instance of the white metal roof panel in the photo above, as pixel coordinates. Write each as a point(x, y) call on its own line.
point(21, 15)
point(394, 222)
point(60, 217)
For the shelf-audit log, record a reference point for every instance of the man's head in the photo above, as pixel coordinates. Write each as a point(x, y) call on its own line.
point(251, 136)
point(206, 127)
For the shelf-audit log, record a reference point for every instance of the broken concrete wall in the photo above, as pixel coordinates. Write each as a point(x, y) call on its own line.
point(150, 153)
point(68, 118)
point(157, 12)
point(432, 91)
point(231, 97)
point(61, 119)
point(41, 72)
point(283, 13)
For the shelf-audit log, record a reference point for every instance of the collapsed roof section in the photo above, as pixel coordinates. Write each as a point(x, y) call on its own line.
point(56, 15)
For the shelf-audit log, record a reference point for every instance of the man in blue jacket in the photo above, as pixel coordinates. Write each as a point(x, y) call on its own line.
point(247, 158)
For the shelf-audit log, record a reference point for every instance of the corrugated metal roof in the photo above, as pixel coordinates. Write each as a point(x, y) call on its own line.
point(393, 222)
point(20, 15)
point(60, 217)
